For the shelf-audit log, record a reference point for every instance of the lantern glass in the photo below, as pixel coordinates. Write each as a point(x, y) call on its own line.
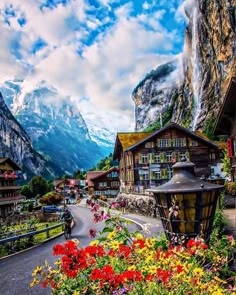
point(187, 214)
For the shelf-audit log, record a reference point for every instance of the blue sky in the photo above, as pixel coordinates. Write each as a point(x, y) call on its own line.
point(95, 51)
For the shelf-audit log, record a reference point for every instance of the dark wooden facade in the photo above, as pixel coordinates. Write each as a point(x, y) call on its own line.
point(106, 183)
point(226, 123)
point(9, 192)
point(149, 162)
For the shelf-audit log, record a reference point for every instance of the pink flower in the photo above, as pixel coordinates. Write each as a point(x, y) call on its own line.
point(92, 233)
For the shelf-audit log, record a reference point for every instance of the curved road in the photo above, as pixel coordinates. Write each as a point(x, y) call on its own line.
point(16, 270)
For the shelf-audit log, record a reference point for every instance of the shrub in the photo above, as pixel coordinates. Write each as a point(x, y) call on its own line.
point(51, 198)
point(230, 188)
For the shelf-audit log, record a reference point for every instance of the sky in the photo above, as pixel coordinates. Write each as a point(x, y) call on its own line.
point(95, 51)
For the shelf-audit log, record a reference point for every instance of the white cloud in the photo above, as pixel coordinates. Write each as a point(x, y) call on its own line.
point(108, 69)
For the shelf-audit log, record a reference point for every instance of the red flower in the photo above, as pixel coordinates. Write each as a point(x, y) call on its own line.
point(179, 268)
point(124, 251)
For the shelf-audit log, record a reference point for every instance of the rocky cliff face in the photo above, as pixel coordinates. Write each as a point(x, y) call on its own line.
point(207, 63)
point(16, 144)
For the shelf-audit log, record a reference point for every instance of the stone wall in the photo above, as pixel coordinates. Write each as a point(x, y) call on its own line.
point(140, 204)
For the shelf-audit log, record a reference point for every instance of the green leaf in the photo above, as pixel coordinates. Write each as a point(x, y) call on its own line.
point(107, 230)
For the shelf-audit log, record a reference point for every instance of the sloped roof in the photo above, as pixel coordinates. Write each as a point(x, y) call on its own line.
point(10, 162)
point(227, 110)
point(90, 175)
point(126, 139)
point(104, 173)
point(175, 125)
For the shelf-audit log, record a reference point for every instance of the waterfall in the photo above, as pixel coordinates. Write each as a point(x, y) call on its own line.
point(196, 70)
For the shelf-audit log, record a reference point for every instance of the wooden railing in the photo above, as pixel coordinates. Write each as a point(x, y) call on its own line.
point(31, 234)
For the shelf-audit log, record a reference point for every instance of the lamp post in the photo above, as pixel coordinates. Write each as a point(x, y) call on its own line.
point(186, 204)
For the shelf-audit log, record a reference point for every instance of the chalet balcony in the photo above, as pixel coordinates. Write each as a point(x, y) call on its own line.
point(11, 200)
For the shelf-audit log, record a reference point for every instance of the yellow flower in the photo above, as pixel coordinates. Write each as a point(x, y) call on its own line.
point(139, 236)
point(111, 235)
point(36, 271)
point(93, 243)
point(198, 271)
point(76, 293)
point(58, 262)
point(115, 245)
point(131, 267)
point(152, 269)
point(149, 258)
point(34, 282)
point(218, 292)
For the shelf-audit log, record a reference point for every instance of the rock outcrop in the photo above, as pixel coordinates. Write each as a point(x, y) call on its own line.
point(207, 63)
point(16, 144)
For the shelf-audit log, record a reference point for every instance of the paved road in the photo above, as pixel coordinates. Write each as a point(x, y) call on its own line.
point(15, 271)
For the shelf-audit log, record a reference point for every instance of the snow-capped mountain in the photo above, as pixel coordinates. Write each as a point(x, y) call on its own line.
point(54, 124)
point(101, 135)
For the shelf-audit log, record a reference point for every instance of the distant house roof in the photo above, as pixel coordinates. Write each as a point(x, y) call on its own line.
point(10, 162)
point(175, 125)
point(126, 139)
point(104, 173)
point(90, 175)
point(57, 182)
point(227, 111)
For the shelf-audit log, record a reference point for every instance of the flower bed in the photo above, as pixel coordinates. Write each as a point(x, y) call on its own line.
point(120, 262)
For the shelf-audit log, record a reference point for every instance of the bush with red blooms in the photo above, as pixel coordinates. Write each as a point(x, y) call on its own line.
point(124, 262)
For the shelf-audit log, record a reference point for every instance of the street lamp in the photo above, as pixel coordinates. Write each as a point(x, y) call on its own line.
point(186, 204)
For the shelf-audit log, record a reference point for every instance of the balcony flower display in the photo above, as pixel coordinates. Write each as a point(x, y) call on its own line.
point(124, 262)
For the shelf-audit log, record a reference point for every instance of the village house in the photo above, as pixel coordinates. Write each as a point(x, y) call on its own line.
point(103, 183)
point(9, 192)
point(226, 123)
point(146, 159)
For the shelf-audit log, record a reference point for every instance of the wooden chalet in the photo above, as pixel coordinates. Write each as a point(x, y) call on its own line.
point(9, 192)
point(226, 123)
point(148, 162)
point(104, 183)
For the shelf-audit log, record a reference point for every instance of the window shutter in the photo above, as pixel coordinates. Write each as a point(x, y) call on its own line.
point(162, 173)
point(140, 158)
point(184, 141)
point(141, 176)
point(165, 173)
point(151, 175)
point(187, 155)
point(169, 142)
point(149, 158)
point(179, 157)
point(158, 142)
point(229, 148)
point(162, 157)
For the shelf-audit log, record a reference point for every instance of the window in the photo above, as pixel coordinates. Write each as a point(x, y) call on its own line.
point(168, 156)
point(149, 144)
point(102, 184)
point(178, 142)
point(164, 142)
point(143, 174)
point(114, 183)
point(157, 174)
point(193, 143)
point(157, 158)
point(143, 158)
point(182, 155)
point(212, 156)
